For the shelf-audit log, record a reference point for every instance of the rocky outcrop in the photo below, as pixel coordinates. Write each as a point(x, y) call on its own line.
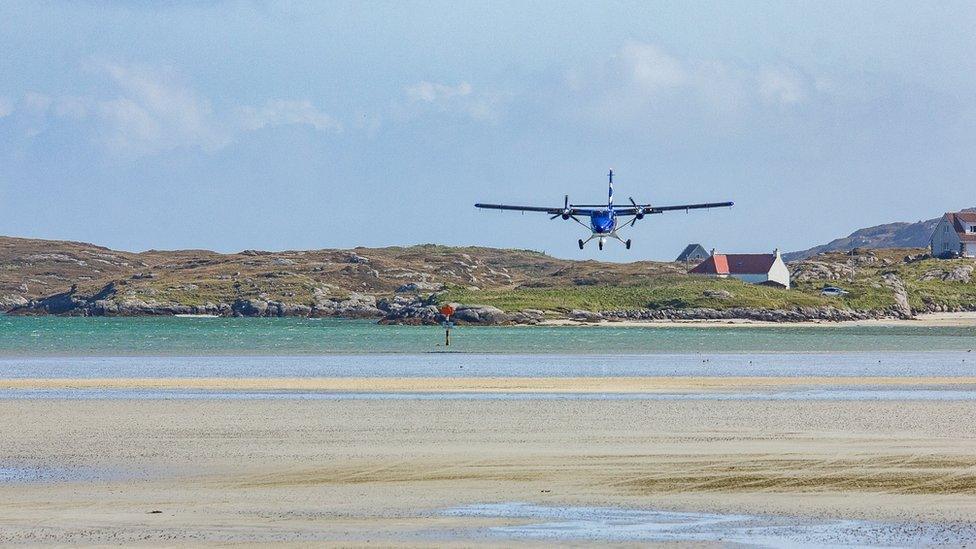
point(902, 307)
point(960, 273)
point(417, 312)
point(581, 315)
point(108, 302)
point(418, 287)
point(800, 314)
point(420, 310)
point(354, 305)
point(12, 301)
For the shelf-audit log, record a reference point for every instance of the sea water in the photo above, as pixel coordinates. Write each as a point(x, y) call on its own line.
point(297, 336)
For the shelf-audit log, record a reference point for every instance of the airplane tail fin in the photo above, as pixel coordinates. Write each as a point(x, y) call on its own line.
point(610, 200)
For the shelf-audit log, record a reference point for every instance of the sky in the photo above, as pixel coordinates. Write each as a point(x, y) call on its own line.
point(303, 125)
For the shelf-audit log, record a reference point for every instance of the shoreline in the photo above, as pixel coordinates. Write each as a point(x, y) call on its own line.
point(945, 320)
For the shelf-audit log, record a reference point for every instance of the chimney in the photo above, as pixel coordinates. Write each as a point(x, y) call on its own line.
point(713, 252)
point(776, 252)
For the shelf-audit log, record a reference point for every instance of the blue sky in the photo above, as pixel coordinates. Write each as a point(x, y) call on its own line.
point(287, 125)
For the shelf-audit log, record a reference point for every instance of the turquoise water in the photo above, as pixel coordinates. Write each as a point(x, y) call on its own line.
point(56, 336)
point(561, 525)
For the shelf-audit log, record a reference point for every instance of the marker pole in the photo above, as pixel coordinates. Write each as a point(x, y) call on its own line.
point(447, 332)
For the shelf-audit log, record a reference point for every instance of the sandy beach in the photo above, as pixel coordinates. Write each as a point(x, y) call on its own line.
point(495, 385)
point(383, 471)
point(962, 319)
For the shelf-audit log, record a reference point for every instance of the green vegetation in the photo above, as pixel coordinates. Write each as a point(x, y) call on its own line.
point(665, 292)
point(511, 280)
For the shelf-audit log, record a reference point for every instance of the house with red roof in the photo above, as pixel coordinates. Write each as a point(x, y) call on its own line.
point(955, 235)
point(754, 268)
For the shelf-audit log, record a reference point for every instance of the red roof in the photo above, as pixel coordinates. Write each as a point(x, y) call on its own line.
point(957, 218)
point(736, 264)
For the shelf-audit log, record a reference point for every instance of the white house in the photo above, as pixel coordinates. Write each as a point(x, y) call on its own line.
point(955, 234)
point(755, 268)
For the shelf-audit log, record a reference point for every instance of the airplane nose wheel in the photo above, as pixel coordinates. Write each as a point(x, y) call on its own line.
point(627, 243)
point(600, 244)
point(581, 243)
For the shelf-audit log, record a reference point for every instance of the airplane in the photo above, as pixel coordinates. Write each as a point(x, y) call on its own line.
point(603, 218)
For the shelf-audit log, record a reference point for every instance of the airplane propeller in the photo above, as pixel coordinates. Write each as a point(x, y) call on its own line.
point(567, 211)
point(638, 212)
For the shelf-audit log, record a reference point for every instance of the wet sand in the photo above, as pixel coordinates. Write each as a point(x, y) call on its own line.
point(353, 471)
point(496, 385)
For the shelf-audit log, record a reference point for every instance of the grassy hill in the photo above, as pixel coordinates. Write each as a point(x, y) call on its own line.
point(42, 276)
point(889, 235)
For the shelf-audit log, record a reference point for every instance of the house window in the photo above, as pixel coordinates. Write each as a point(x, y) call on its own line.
point(972, 228)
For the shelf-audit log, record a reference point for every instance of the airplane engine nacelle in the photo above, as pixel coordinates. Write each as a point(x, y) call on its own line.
point(565, 216)
point(640, 215)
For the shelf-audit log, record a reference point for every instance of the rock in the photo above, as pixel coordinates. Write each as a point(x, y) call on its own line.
point(249, 307)
point(12, 300)
point(962, 273)
point(932, 274)
point(718, 294)
point(480, 314)
point(354, 305)
point(143, 276)
point(902, 307)
point(415, 287)
point(585, 316)
point(528, 316)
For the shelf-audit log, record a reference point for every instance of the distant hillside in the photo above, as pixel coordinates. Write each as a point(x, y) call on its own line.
point(489, 285)
point(890, 235)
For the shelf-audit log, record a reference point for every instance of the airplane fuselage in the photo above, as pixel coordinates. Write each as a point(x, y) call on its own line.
point(603, 222)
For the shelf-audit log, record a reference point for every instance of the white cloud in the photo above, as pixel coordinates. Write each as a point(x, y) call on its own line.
point(782, 87)
point(146, 110)
point(432, 92)
point(6, 107)
point(650, 68)
point(156, 112)
point(277, 113)
point(36, 103)
point(643, 84)
point(72, 107)
point(461, 99)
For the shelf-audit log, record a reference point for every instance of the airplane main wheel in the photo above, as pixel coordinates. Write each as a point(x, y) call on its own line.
point(581, 243)
point(627, 244)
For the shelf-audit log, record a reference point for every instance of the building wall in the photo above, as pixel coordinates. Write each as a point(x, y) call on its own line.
point(751, 278)
point(944, 238)
point(779, 272)
point(970, 249)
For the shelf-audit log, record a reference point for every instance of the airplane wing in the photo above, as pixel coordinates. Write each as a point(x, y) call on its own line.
point(652, 209)
point(572, 210)
point(551, 211)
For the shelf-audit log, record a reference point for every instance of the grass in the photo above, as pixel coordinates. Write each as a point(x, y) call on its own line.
point(666, 292)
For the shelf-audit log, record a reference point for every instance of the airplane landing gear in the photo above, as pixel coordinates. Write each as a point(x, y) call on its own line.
point(581, 243)
point(627, 243)
point(600, 244)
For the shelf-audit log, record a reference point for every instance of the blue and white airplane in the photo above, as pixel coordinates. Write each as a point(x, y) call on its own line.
point(603, 218)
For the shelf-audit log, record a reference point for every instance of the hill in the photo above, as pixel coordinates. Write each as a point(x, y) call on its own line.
point(889, 235)
point(405, 285)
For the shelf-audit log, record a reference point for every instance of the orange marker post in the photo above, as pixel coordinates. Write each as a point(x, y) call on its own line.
point(447, 311)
